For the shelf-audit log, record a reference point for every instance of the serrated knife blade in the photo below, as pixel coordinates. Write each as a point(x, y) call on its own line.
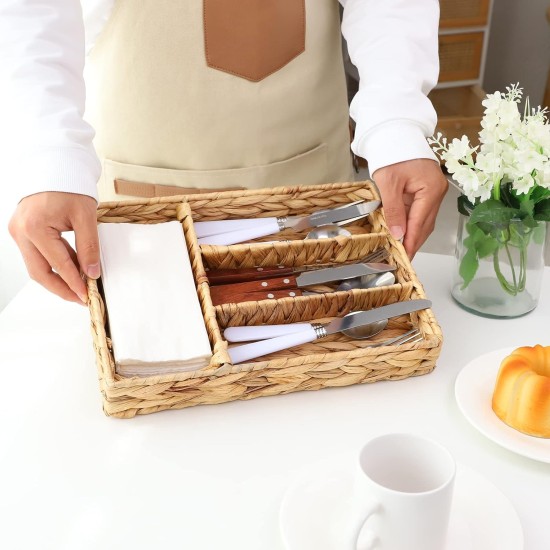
point(330, 274)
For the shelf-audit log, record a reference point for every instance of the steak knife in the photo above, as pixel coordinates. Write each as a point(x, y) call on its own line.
point(270, 287)
point(218, 276)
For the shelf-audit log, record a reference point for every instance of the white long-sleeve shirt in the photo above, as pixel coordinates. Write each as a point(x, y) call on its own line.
point(393, 44)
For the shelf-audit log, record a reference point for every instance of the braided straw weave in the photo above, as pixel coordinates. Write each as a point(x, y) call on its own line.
point(331, 362)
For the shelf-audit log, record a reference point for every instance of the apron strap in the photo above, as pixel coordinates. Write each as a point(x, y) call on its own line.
point(151, 190)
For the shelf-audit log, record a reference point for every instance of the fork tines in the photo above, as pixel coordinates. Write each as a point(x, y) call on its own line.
point(378, 255)
point(410, 337)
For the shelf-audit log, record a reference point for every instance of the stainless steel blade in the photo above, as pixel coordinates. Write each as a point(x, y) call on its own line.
point(342, 273)
point(325, 217)
point(360, 318)
point(342, 206)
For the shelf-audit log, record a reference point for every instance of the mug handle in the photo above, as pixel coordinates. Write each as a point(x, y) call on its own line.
point(370, 508)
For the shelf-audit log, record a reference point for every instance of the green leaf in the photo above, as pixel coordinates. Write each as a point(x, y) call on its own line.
point(486, 245)
point(483, 243)
point(468, 267)
point(526, 208)
point(530, 223)
point(542, 211)
point(508, 196)
point(464, 205)
point(520, 232)
point(493, 212)
point(540, 193)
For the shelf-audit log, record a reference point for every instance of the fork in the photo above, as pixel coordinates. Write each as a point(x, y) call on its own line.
point(410, 337)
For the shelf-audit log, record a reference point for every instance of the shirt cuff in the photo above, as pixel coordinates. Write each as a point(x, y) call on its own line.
point(392, 142)
point(65, 170)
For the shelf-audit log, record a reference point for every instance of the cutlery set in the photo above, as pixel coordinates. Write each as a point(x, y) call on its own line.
point(240, 285)
point(222, 276)
point(227, 232)
point(357, 325)
point(291, 285)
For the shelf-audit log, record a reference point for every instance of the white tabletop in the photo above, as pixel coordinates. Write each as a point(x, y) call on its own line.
point(213, 476)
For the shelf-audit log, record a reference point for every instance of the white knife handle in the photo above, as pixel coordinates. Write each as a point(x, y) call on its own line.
point(246, 352)
point(205, 229)
point(263, 227)
point(246, 334)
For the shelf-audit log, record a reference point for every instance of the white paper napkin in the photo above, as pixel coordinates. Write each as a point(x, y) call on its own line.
point(155, 319)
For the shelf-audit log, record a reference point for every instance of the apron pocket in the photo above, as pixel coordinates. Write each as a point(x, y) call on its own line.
point(125, 181)
point(253, 38)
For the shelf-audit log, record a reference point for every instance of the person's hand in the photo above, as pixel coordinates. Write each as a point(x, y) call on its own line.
point(36, 227)
point(411, 192)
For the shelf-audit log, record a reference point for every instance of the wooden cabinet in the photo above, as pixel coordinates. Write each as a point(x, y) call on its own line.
point(463, 13)
point(463, 37)
point(460, 111)
point(460, 56)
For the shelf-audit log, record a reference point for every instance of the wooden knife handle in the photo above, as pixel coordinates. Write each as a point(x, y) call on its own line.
point(224, 296)
point(224, 276)
point(264, 285)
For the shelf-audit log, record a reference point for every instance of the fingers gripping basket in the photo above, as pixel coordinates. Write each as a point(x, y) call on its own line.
point(330, 362)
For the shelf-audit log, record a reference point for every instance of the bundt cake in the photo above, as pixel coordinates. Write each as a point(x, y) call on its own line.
point(522, 392)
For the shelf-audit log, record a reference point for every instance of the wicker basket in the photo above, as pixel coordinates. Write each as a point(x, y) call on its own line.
point(463, 13)
point(330, 362)
point(460, 56)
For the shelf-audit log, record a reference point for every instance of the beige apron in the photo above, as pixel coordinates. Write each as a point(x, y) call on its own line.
point(205, 94)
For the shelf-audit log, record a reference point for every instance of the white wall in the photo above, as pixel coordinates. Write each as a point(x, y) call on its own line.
point(519, 47)
point(13, 274)
point(519, 51)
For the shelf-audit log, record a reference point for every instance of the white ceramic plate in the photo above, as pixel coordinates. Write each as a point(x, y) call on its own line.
point(474, 392)
point(313, 510)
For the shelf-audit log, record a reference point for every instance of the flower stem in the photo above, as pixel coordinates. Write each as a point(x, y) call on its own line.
point(496, 191)
point(510, 288)
point(518, 282)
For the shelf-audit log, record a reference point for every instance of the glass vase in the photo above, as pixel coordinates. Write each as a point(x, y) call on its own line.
point(508, 277)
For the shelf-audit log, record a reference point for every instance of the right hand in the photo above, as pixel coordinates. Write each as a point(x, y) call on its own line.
point(36, 227)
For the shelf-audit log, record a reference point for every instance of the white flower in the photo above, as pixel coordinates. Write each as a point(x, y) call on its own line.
point(537, 130)
point(509, 115)
point(515, 93)
point(523, 184)
point(489, 162)
point(487, 136)
point(453, 165)
point(527, 160)
point(544, 177)
point(473, 183)
point(459, 149)
point(490, 120)
point(484, 194)
point(492, 102)
point(512, 149)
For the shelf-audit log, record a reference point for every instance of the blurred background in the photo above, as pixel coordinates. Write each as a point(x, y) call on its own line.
point(484, 46)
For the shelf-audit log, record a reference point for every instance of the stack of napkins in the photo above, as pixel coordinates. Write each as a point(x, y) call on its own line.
point(155, 319)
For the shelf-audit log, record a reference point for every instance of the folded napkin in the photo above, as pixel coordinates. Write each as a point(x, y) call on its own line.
point(155, 318)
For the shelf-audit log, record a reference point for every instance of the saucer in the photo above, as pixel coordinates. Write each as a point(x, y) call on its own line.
point(474, 392)
point(312, 510)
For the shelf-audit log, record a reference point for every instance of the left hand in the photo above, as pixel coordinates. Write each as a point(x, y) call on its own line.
point(411, 192)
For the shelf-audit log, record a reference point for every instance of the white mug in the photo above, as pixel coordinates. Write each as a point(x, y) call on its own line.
point(403, 489)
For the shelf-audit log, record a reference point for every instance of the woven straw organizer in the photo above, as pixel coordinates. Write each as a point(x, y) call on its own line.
point(330, 362)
